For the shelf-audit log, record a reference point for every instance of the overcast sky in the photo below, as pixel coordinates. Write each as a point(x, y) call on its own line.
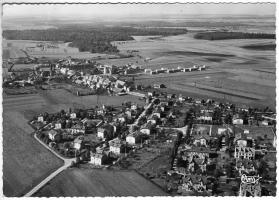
point(122, 10)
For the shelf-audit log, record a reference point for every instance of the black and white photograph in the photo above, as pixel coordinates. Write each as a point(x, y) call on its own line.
point(125, 99)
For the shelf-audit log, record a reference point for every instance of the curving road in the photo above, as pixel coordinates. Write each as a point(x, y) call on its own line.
point(67, 163)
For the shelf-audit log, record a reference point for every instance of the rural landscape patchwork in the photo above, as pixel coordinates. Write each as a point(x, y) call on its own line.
point(137, 100)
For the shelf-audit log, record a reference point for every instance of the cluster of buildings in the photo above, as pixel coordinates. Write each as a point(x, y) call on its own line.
point(222, 148)
point(82, 72)
point(225, 153)
point(175, 70)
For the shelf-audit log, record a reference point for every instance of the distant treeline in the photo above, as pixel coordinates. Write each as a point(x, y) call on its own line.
point(218, 35)
point(95, 40)
point(260, 47)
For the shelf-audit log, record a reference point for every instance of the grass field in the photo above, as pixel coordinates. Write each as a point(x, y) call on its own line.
point(157, 169)
point(99, 183)
point(25, 161)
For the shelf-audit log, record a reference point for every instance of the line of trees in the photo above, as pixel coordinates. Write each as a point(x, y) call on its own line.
point(219, 35)
point(95, 40)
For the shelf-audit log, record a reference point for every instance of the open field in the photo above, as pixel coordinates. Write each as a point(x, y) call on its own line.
point(227, 91)
point(101, 183)
point(232, 67)
point(157, 169)
point(184, 49)
point(248, 87)
point(25, 161)
point(67, 99)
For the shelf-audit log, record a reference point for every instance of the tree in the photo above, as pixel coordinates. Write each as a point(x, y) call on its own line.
point(228, 119)
point(229, 170)
point(263, 169)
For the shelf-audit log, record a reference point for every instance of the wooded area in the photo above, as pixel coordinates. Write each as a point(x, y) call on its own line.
point(232, 35)
point(95, 40)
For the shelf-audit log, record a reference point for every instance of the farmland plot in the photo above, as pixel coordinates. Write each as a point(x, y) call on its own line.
point(25, 161)
point(99, 183)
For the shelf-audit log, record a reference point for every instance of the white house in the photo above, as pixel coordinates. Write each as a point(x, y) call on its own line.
point(147, 129)
point(237, 121)
point(97, 159)
point(205, 117)
point(116, 146)
point(150, 94)
point(57, 126)
point(133, 138)
point(54, 135)
point(134, 107)
point(40, 119)
point(78, 143)
point(265, 123)
point(73, 115)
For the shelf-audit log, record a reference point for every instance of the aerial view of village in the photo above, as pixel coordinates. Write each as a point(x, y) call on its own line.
point(104, 100)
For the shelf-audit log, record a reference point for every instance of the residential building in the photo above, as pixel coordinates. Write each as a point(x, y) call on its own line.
point(147, 129)
point(40, 119)
point(206, 116)
point(54, 135)
point(237, 120)
point(201, 140)
point(134, 137)
point(58, 125)
point(79, 143)
point(116, 146)
point(97, 159)
point(106, 131)
point(73, 115)
point(242, 152)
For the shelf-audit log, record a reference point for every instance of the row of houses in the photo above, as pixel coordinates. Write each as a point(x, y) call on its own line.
point(175, 70)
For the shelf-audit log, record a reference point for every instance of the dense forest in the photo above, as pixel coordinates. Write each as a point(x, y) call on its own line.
point(95, 40)
point(218, 35)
